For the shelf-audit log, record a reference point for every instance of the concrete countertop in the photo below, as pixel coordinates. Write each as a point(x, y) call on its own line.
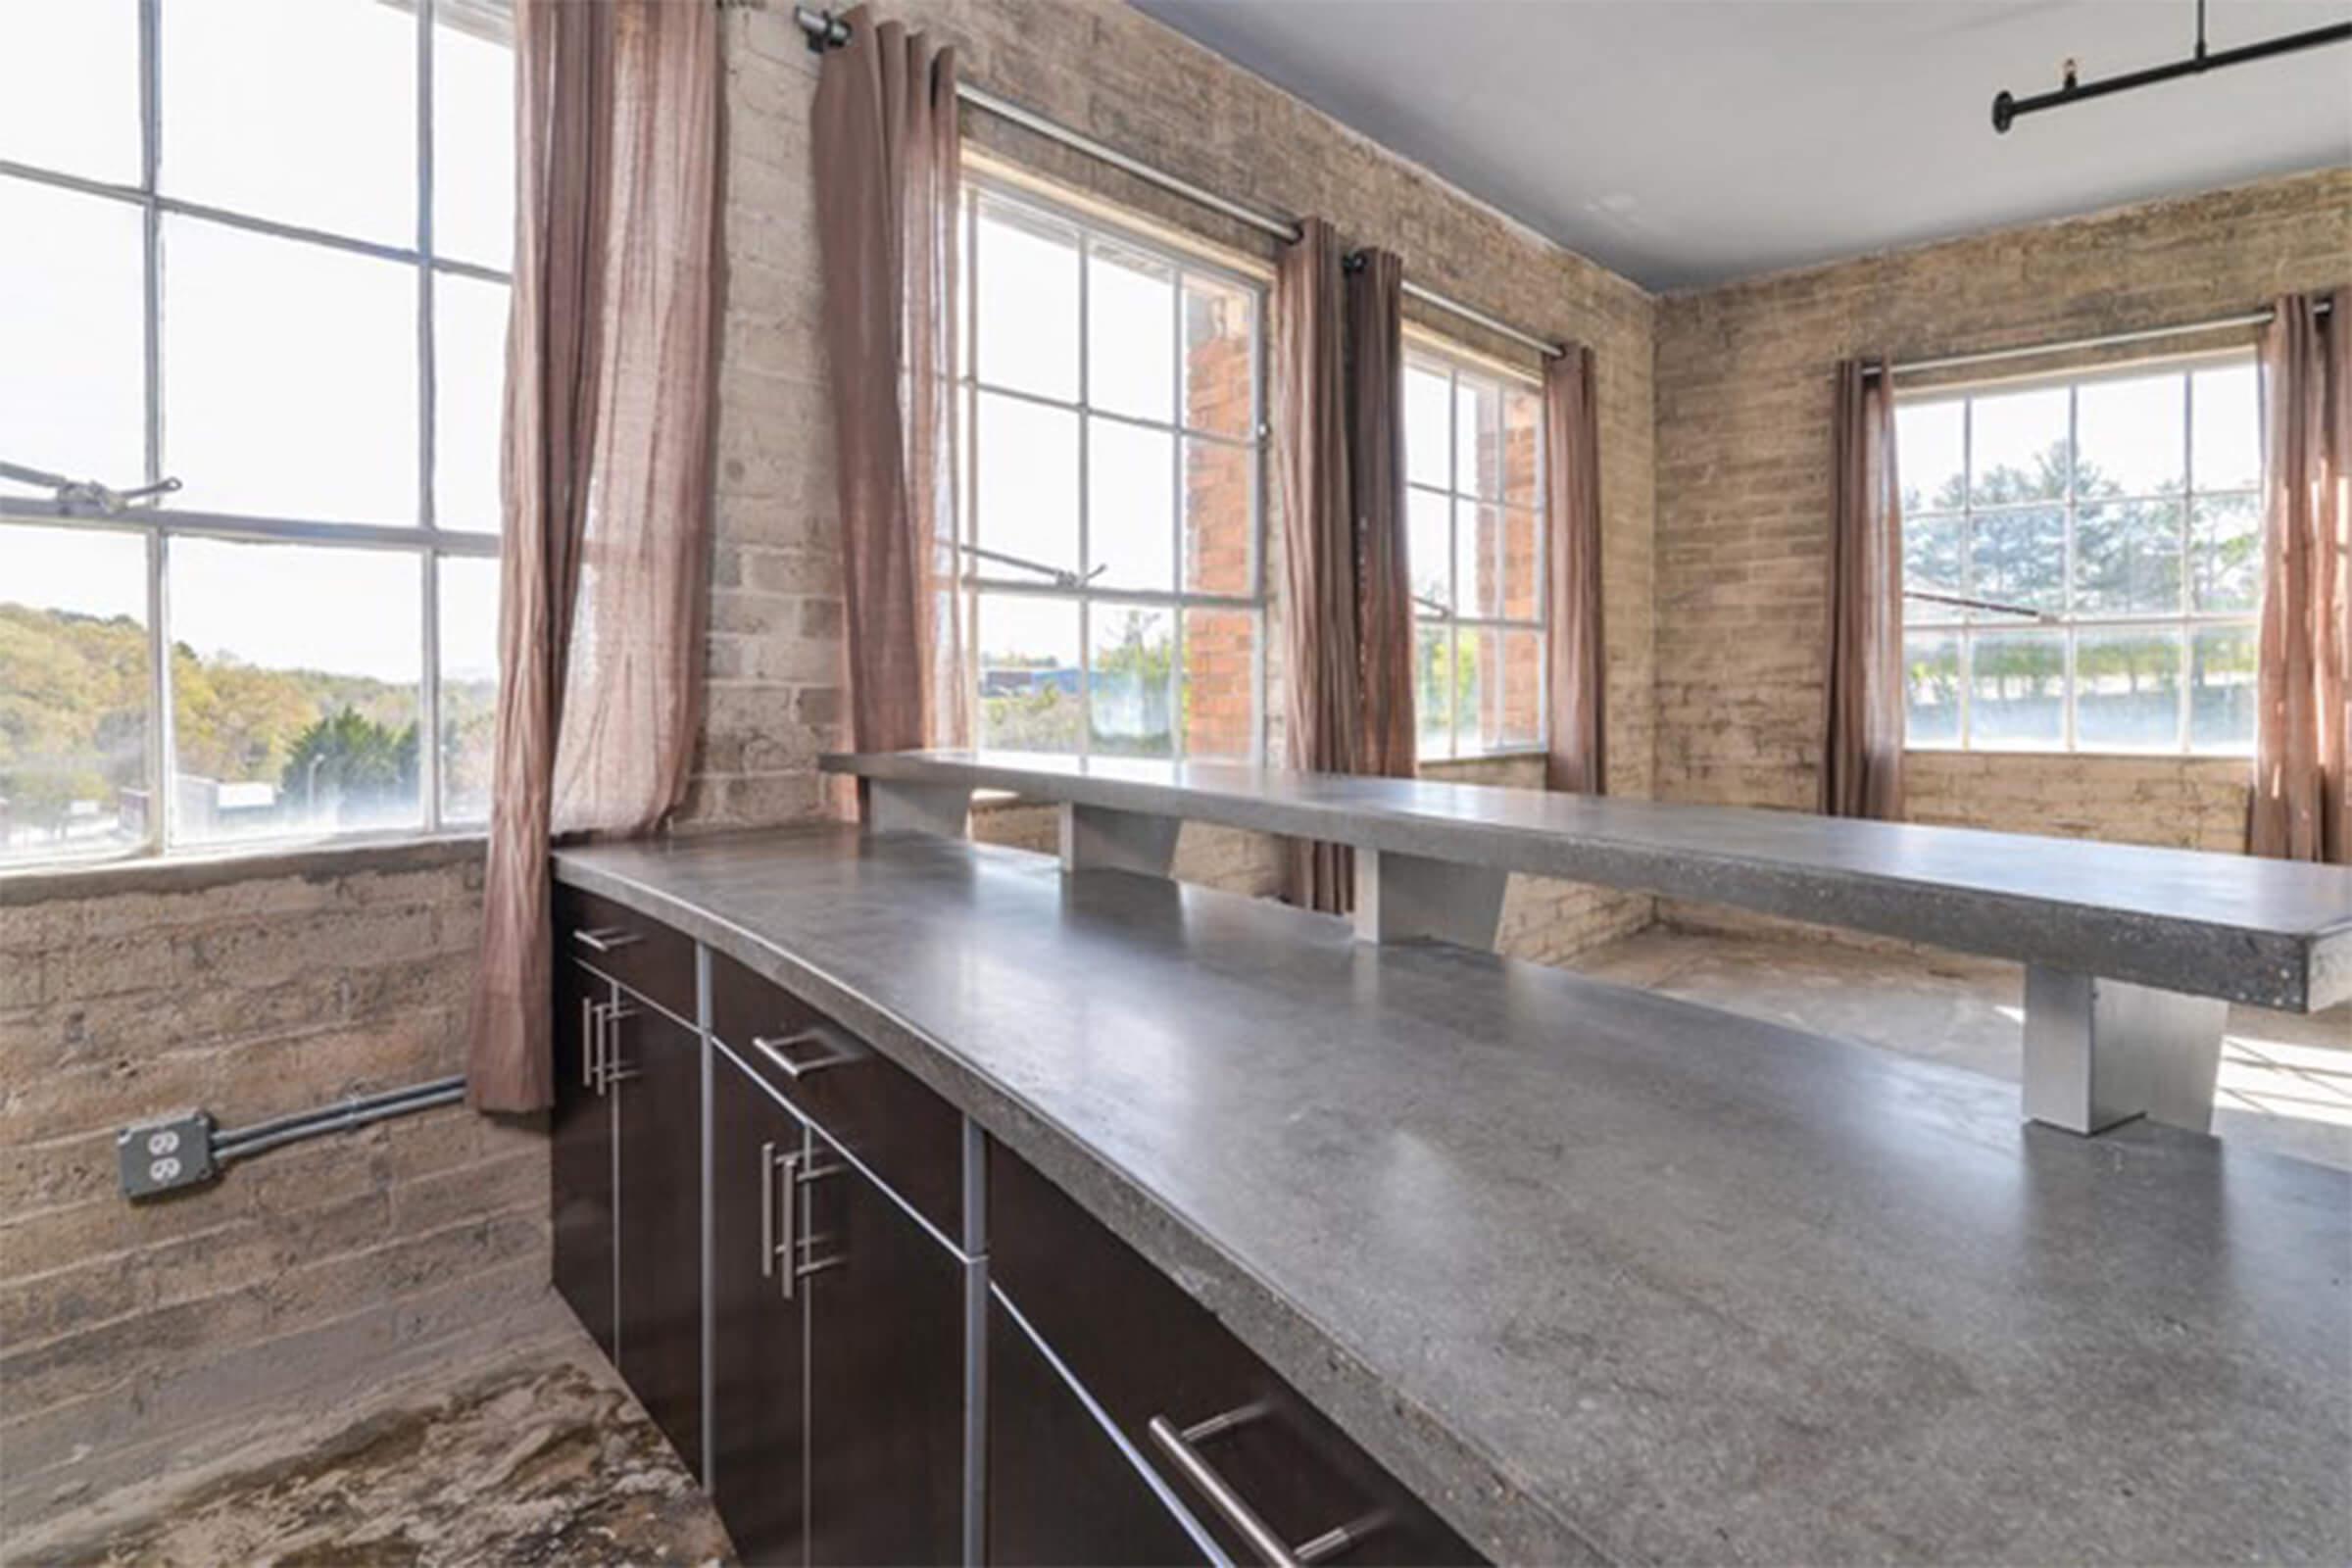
point(2271, 933)
point(1600, 1274)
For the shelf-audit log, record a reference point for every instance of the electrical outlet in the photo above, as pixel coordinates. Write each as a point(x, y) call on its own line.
point(163, 1156)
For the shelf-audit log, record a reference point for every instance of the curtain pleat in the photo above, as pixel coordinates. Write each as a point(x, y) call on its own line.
point(1384, 589)
point(1862, 760)
point(2302, 803)
point(1320, 707)
point(607, 472)
point(886, 148)
point(1577, 668)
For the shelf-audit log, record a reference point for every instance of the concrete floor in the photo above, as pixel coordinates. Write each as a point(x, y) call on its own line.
point(2285, 1079)
point(535, 1454)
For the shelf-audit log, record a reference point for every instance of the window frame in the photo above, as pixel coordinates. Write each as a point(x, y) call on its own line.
point(2068, 623)
point(159, 523)
point(1424, 352)
point(977, 575)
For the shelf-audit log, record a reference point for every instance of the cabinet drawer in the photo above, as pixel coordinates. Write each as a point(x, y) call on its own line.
point(1152, 1357)
point(861, 1100)
point(639, 952)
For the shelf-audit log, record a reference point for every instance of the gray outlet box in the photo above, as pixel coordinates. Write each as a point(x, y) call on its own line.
point(166, 1155)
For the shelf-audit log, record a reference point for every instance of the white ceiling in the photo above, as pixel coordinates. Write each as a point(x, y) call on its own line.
point(1683, 142)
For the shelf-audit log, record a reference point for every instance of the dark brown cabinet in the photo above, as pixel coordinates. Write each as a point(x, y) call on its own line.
point(654, 1072)
point(758, 1379)
point(885, 1376)
point(1061, 1493)
point(580, 1155)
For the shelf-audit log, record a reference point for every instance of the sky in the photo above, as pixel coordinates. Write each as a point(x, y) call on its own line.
point(290, 370)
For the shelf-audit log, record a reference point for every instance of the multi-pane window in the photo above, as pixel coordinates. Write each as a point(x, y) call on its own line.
point(258, 247)
point(1474, 525)
point(1111, 490)
point(2119, 516)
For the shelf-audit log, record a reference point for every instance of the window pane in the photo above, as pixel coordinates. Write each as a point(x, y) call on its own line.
point(2130, 436)
point(1220, 526)
point(72, 350)
point(1478, 563)
point(2221, 689)
point(74, 685)
point(1130, 332)
point(2018, 447)
point(1220, 331)
point(469, 612)
point(1477, 438)
point(1522, 446)
point(1432, 691)
point(304, 111)
point(1025, 310)
point(1931, 689)
point(1133, 703)
point(2225, 552)
point(2128, 690)
point(1129, 505)
point(1220, 682)
point(69, 87)
point(2127, 558)
point(2019, 557)
point(1522, 566)
point(1027, 502)
point(1028, 666)
point(294, 701)
point(1471, 681)
point(2017, 692)
point(1934, 556)
point(1429, 548)
point(1428, 427)
point(2225, 433)
point(1503, 686)
point(474, 131)
point(1927, 455)
point(290, 378)
point(469, 386)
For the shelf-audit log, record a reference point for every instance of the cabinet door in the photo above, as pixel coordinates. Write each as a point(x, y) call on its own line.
point(758, 1351)
point(580, 1157)
point(885, 1304)
point(657, 1088)
point(1061, 1493)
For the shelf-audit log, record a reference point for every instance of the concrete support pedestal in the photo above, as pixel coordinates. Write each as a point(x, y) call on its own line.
point(1095, 838)
point(1406, 898)
point(2102, 1051)
point(894, 806)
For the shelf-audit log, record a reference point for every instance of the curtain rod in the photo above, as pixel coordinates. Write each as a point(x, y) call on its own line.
point(1953, 361)
point(827, 31)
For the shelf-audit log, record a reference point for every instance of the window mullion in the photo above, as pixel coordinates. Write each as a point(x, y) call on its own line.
point(428, 685)
point(161, 762)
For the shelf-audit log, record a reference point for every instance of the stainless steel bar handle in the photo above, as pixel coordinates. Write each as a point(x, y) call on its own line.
point(1229, 1503)
point(784, 1181)
point(767, 1211)
point(1181, 1447)
point(603, 938)
point(840, 1050)
point(614, 1071)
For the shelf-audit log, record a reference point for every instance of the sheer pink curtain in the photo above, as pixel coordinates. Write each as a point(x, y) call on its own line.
point(1578, 669)
point(607, 474)
point(1311, 469)
point(1862, 762)
point(2302, 807)
point(886, 145)
point(1384, 589)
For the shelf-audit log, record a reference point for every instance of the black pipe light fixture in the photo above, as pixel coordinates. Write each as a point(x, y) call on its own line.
point(2072, 89)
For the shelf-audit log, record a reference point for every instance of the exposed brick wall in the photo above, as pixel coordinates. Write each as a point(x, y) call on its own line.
point(1743, 388)
point(128, 1331)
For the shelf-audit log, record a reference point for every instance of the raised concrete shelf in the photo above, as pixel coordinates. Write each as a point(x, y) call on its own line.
point(1600, 1274)
point(2134, 952)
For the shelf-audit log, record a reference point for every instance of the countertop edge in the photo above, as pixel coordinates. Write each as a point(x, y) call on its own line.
point(1471, 1489)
